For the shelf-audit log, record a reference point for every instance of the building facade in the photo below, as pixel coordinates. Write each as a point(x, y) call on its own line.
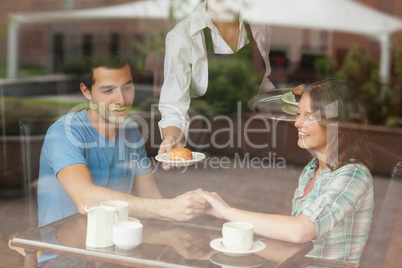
point(56, 46)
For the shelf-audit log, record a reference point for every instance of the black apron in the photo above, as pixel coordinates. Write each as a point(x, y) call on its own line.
point(244, 51)
point(224, 97)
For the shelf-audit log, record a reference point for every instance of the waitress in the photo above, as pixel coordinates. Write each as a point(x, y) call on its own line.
point(186, 60)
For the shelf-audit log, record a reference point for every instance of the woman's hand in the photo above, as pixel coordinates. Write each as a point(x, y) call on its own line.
point(219, 209)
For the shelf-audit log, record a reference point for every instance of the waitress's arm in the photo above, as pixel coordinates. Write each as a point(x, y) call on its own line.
point(174, 100)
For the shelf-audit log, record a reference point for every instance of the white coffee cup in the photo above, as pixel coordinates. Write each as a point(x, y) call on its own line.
point(238, 236)
point(127, 234)
point(120, 208)
point(133, 219)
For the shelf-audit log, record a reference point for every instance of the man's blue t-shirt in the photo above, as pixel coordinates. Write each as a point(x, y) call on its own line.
point(73, 140)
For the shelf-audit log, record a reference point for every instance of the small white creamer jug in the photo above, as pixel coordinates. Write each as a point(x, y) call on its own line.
point(99, 227)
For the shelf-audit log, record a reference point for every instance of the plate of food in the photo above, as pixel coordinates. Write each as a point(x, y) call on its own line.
point(180, 157)
point(293, 97)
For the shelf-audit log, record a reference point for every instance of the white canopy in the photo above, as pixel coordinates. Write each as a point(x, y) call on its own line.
point(148, 9)
point(336, 15)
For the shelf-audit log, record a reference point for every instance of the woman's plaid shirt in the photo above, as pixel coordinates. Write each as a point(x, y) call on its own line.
point(341, 207)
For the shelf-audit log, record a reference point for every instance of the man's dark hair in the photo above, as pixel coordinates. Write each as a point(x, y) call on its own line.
point(103, 56)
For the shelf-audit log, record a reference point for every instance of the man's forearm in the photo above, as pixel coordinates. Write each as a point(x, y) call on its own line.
point(181, 208)
point(139, 206)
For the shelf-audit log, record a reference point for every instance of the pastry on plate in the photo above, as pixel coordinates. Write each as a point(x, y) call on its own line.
point(180, 154)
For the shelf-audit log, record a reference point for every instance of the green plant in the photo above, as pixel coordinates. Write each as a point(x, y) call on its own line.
point(200, 107)
point(231, 81)
point(324, 67)
point(374, 95)
point(15, 110)
point(149, 104)
point(75, 66)
point(142, 50)
point(395, 107)
point(3, 34)
point(31, 70)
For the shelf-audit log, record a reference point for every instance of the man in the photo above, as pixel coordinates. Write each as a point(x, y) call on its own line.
point(98, 154)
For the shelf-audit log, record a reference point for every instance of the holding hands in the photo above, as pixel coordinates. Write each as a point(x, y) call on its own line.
point(186, 206)
point(219, 208)
point(191, 204)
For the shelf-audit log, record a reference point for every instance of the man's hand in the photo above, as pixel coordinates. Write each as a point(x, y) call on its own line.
point(186, 206)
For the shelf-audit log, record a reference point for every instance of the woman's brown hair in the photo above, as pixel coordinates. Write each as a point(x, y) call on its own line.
point(335, 103)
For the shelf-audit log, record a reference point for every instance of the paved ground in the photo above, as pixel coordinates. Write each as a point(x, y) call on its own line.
point(260, 189)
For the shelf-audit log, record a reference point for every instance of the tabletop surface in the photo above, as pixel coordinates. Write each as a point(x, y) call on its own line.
point(165, 244)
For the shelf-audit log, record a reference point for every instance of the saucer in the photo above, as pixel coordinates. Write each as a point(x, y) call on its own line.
point(289, 98)
point(290, 109)
point(269, 104)
point(218, 245)
point(164, 158)
point(249, 261)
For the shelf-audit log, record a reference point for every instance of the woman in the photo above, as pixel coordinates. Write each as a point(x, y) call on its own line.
point(187, 56)
point(333, 203)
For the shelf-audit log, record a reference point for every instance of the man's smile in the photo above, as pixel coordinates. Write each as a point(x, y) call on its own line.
point(117, 108)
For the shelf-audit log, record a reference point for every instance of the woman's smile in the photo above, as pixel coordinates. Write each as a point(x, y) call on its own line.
point(311, 135)
point(303, 135)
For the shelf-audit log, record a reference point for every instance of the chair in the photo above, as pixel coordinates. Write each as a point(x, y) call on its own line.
point(376, 251)
point(32, 135)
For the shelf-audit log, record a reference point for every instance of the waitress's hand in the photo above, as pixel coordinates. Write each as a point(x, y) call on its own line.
point(172, 138)
point(167, 145)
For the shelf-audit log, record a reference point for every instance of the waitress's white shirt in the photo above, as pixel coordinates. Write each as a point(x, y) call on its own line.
point(186, 63)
